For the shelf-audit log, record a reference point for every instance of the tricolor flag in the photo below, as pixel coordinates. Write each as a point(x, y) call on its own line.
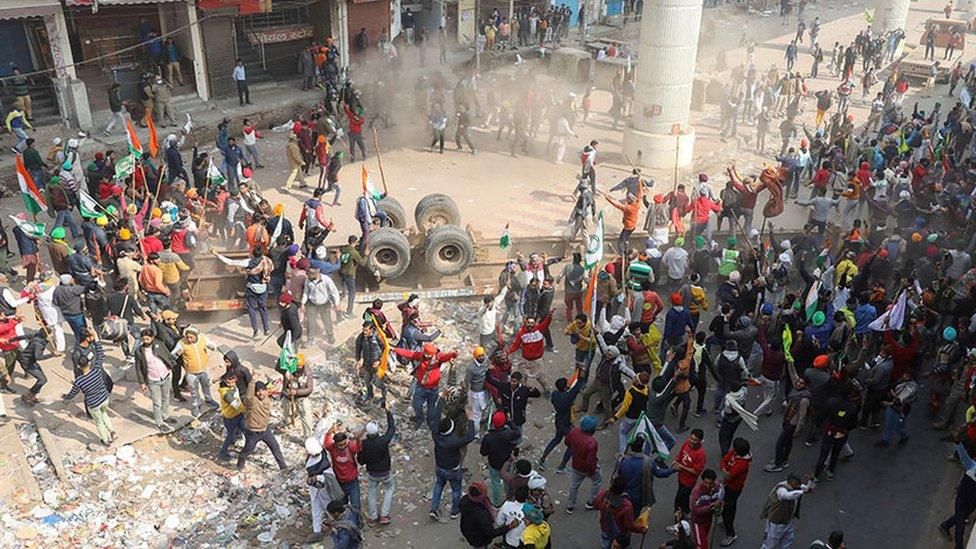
point(33, 199)
point(812, 300)
point(589, 298)
point(153, 138)
point(288, 360)
point(33, 230)
point(87, 205)
point(368, 189)
point(643, 428)
point(214, 175)
point(594, 248)
point(385, 356)
point(135, 147)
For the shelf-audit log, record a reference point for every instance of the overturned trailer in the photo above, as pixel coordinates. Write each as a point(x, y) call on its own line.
point(436, 258)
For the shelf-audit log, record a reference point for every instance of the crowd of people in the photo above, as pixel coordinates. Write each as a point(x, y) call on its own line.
point(837, 329)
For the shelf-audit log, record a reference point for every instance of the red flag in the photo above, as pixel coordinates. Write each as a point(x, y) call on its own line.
point(153, 138)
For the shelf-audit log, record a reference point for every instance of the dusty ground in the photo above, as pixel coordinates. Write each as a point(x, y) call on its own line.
point(106, 500)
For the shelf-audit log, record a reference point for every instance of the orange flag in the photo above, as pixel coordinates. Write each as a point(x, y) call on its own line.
point(153, 139)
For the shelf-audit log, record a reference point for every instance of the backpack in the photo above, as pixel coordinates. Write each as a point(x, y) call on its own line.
point(730, 198)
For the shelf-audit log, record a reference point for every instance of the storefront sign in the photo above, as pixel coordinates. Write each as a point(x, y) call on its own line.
point(280, 34)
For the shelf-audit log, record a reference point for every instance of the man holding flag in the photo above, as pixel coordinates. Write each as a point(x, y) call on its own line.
point(296, 386)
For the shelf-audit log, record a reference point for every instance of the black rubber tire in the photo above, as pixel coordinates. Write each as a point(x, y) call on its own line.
point(389, 252)
point(449, 250)
point(434, 210)
point(392, 207)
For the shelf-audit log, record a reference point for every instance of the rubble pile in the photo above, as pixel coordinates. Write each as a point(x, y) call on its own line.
point(169, 489)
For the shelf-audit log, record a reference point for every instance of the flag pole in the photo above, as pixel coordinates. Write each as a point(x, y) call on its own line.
point(379, 159)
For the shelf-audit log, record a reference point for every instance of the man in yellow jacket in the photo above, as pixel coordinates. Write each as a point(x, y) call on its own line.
point(296, 162)
point(192, 351)
point(232, 412)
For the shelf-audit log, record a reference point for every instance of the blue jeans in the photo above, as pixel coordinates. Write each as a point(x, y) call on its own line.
point(234, 428)
point(22, 139)
point(255, 304)
point(350, 284)
point(420, 397)
point(157, 302)
point(351, 489)
point(63, 218)
point(894, 422)
point(77, 324)
point(442, 477)
point(666, 435)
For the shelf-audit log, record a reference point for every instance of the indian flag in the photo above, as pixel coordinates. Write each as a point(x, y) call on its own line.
point(812, 300)
point(33, 199)
point(87, 205)
point(33, 230)
point(214, 175)
point(368, 188)
point(594, 248)
point(135, 147)
point(288, 360)
point(385, 356)
point(644, 428)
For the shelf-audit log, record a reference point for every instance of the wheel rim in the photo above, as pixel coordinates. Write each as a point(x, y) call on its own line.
point(450, 253)
point(387, 257)
point(437, 219)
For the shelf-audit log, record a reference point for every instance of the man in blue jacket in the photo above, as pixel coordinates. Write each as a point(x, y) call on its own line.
point(447, 463)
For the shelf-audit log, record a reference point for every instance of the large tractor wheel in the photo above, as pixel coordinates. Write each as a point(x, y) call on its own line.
point(434, 210)
point(392, 208)
point(449, 250)
point(389, 252)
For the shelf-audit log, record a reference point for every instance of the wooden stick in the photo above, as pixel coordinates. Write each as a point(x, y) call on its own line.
point(206, 193)
point(379, 159)
point(47, 332)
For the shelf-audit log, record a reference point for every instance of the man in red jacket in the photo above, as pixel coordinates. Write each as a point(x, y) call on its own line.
point(531, 341)
point(584, 450)
point(616, 514)
point(356, 121)
point(706, 499)
point(428, 375)
point(689, 463)
point(735, 468)
point(342, 450)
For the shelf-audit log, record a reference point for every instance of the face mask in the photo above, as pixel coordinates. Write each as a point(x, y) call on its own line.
point(678, 308)
point(731, 355)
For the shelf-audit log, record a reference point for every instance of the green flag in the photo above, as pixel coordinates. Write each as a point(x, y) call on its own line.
point(645, 429)
point(288, 360)
point(87, 205)
point(506, 240)
point(33, 230)
point(125, 167)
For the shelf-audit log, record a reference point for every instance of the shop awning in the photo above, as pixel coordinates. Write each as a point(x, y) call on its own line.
point(115, 2)
point(13, 9)
point(244, 7)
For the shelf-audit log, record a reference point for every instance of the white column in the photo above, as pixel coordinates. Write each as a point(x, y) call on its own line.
point(340, 28)
point(660, 136)
point(890, 15)
point(199, 59)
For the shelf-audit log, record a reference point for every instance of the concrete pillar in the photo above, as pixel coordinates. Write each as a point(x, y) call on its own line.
point(890, 15)
point(71, 93)
point(659, 135)
point(199, 59)
point(340, 28)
